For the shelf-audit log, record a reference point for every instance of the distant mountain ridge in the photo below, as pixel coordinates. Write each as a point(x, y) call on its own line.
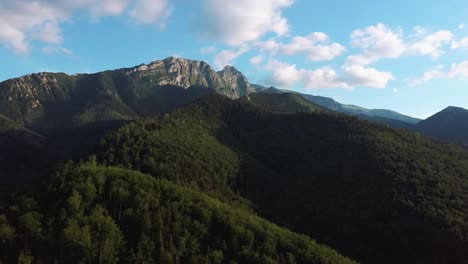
point(329, 103)
point(55, 102)
point(46, 101)
point(450, 124)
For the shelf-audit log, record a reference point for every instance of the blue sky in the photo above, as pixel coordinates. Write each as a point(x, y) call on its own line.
point(409, 56)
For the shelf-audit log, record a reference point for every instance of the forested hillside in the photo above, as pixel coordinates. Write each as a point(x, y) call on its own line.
point(92, 214)
point(188, 165)
point(376, 194)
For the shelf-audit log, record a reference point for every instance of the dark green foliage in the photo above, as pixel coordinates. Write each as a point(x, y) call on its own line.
point(374, 193)
point(449, 125)
point(71, 113)
point(383, 116)
point(92, 214)
point(282, 103)
point(22, 153)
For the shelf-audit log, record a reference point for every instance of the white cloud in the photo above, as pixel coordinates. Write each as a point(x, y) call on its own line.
point(151, 12)
point(208, 50)
point(21, 21)
point(431, 45)
point(456, 71)
point(377, 42)
point(241, 21)
point(419, 31)
point(283, 74)
point(461, 44)
point(225, 57)
point(396, 90)
point(256, 60)
point(427, 76)
point(52, 49)
point(24, 21)
point(13, 38)
point(461, 26)
point(380, 42)
point(359, 76)
point(49, 32)
point(286, 75)
point(316, 46)
point(103, 8)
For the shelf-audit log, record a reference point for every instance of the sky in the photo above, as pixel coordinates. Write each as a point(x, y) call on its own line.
point(410, 56)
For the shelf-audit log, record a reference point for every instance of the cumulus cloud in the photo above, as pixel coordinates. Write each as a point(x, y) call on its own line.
point(225, 57)
point(24, 21)
point(21, 21)
point(456, 71)
point(283, 74)
point(377, 42)
point(359, 76)
point(241, 21)
point(431, 45)
point(460, 44)
point(316, 46)
point(151, 12)
point(106, 7)
point(256, 60)
point(380, 42)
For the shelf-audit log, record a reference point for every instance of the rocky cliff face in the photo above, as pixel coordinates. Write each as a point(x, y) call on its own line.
point(187, 73)
point(235, 80)
point(50, 99)
point(23, 98)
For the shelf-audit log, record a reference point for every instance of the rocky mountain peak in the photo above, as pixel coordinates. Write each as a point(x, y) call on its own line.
point(30, 98)
point(234, 78)
point(188, 73)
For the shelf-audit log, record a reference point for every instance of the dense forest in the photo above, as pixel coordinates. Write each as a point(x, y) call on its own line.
point(267, 178)
point(93, 214)
point(374, 193)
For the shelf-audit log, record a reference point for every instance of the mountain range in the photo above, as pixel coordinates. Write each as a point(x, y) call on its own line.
point(449, 125)
point(48, 101)
point(173, 162)
point(71, 112)
point(333, 105)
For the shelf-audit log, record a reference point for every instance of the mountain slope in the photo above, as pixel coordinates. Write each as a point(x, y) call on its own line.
point(74, 111)
point(110, 215)
point(282, 103)
point(376, 194)
point(450, 125)
point(376, 115)
point(37, 100)
point(22, 152)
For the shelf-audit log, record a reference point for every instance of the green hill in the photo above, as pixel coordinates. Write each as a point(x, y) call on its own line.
point(374, 193)
point(22, 154)
point(283, 103)
point(448, 125)
point(92, 214)
point(73, 112)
